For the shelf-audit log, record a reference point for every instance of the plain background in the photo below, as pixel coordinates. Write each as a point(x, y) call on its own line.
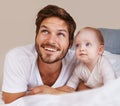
point(17, 19)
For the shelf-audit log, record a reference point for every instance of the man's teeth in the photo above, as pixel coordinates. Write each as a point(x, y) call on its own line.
point(51, 49)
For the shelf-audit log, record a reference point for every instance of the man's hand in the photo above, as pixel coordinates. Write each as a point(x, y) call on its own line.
point(44, 89)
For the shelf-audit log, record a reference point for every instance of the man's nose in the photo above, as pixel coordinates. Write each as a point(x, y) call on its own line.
point(52, 37)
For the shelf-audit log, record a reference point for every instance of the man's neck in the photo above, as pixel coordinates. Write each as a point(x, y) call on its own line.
point(49, 72)
point(49, 68)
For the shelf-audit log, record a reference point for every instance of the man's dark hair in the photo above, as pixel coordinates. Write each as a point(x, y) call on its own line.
point(55, 11)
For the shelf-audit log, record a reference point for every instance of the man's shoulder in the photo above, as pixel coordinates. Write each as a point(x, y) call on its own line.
point(23, 51)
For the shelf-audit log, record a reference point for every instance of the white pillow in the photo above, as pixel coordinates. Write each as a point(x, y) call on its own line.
point(115, 61)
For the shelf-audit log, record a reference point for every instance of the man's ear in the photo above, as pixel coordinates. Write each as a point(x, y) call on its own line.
point(70, 44)
point(101, 49)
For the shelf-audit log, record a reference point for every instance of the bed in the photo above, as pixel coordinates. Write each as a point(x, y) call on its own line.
point(104, 96)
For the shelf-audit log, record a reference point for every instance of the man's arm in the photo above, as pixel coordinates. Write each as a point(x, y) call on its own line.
point(44, 89)
point(10, 97)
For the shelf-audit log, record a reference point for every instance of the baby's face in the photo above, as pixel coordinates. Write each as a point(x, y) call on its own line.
point(87, 46)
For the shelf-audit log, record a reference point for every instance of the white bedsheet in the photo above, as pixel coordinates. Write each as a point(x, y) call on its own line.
point(1, 101)
point(108, 95)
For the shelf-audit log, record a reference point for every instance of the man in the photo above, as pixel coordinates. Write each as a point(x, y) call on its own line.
point(47, 62)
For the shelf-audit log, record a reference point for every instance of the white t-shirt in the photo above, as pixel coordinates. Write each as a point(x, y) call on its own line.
point(21, 70)
point(100, 75)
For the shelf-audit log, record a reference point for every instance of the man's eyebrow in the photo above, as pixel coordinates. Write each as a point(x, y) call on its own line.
point(63, 30)
point(43, 26)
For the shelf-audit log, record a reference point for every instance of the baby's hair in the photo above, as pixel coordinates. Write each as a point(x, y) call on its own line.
point(97, 32)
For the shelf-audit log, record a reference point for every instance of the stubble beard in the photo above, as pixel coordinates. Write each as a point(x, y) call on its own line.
point(47, 58)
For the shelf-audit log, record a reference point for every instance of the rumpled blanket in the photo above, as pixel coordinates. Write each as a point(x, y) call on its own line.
point(108, 95)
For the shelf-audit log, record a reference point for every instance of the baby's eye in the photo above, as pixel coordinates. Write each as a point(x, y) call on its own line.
point(77, 45)
point(88, 44)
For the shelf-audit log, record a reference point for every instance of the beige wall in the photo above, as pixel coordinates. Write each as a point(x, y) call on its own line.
point(17, 18)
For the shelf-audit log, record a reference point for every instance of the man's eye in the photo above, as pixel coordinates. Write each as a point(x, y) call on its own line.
point(61, 34)
point(44, 31)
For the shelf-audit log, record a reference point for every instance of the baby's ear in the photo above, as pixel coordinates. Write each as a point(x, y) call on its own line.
point(101, 49)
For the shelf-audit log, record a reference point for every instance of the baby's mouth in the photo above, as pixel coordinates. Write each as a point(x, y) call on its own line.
point(82, 54)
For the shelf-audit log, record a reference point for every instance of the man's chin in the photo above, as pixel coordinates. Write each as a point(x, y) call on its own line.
point(50, 61)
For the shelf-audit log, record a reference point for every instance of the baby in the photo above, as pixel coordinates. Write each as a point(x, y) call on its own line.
point(93, 67)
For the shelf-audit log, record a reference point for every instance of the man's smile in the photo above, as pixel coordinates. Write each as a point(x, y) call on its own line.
point(50, 48)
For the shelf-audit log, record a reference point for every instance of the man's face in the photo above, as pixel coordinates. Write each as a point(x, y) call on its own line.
point(52, 41)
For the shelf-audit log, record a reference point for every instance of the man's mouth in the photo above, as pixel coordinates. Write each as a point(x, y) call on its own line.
point(50, 48)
